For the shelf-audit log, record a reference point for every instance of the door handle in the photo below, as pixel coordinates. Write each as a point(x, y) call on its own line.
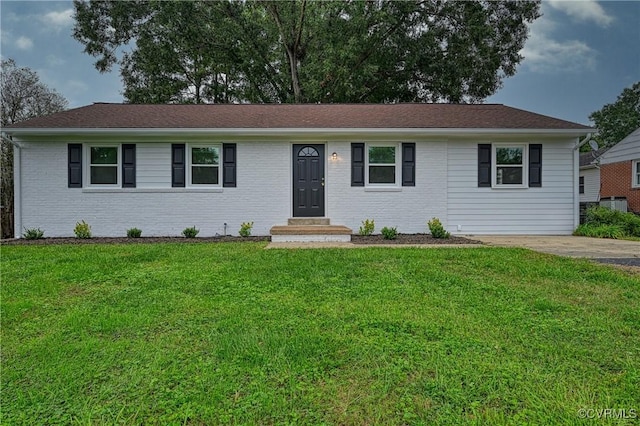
point(322, 183)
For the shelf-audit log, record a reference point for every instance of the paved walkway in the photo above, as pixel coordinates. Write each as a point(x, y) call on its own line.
point(314, 244)
point(603, 250)
point(567, 245)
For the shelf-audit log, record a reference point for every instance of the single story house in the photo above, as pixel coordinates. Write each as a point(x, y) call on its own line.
point(620, 171)
point(480, 169)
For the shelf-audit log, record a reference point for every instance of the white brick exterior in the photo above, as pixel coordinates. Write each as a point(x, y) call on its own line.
point(408, 208)
point(446, 187)
point(262, 195)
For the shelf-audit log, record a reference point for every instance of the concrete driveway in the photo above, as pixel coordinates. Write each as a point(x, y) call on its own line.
point(605, 250)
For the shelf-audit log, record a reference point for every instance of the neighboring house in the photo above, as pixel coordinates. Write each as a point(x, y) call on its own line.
point(589, 180)
point(481, 169)
point(620, 171)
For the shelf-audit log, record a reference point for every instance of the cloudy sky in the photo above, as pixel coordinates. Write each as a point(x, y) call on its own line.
point(579, 56)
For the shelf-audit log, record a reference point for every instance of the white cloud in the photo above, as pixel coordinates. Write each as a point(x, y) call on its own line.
point(76, 86)
point(4, 36)
point(24, 43)
point(55, 61)
point(544, 53)
point(583, 11)
point(58, 20)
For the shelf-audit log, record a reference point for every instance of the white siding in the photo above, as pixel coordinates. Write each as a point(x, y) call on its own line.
point(262, 195)
point(153, 165)
point(591, 185)
point(545, 210)
point(408, 208)
point(625, 150)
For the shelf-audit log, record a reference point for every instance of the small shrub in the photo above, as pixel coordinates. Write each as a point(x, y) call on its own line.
point(134, 233)
point(436, 229)
point(628, 222)
point(389, 233)
point(600, 215)
point(631, 224)
point(33, 234)
point(367, 228)
point(599, 231)
point(82, 230)
point(634, 228)
point(190, 232)
point(245, 229)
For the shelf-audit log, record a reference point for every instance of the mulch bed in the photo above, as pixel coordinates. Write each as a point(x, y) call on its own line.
point(411, 239)
point(355, 239)
point(125, 240)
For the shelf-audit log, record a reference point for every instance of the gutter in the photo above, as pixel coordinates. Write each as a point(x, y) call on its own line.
point(584, 141)
point(295, 132)
point(17, 184)
point(7, 138)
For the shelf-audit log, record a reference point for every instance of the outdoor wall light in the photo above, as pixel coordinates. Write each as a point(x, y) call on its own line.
point(334, 156)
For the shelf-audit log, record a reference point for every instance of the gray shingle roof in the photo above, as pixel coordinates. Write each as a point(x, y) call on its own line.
point(587, 158)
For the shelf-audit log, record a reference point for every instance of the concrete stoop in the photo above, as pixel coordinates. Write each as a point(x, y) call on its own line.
point(300, 230)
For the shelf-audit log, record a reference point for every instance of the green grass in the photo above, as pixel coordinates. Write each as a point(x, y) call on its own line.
point(234, 334)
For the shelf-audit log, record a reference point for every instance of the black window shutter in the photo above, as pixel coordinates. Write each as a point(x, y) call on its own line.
point(75, 165)
point(484, 165)
point(535, 165)
point(229, 165)
point(128, 165)
point(408, 164)
point(357, 164)
point(178, 165)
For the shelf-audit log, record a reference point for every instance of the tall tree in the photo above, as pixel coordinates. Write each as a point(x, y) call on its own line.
point(306, 51)
point(23, 96)
point(617, 120)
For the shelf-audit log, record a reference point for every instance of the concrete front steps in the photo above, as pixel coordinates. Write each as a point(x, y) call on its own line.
point(300, 230)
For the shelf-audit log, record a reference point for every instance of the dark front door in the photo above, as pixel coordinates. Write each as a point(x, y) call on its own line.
point(308, 180)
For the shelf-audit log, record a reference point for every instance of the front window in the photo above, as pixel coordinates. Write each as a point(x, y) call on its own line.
point(636, 174)
point(509, 165)
point(103, 165)
point(381, 164)
point(205, 165)
point(581, 185)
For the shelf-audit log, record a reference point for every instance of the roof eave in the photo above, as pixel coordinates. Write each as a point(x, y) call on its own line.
point(291, 132)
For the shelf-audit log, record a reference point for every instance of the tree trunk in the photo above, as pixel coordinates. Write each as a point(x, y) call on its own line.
point(6, 198)
point(295, 81)
point(291, 46)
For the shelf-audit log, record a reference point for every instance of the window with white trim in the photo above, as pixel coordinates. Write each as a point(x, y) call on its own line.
point(204, 165)
point(509, 168)
point(636, 174)
point(382, 164)
point(104, 165)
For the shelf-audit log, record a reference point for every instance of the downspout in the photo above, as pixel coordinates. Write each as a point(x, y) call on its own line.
point(576, 179)
point(585, 140)
point(17, 184)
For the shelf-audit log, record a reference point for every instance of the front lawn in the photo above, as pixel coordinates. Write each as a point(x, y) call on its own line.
point(234, 334)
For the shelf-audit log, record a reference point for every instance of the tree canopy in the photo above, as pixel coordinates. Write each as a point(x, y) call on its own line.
point(617, 120)
point(22, 96)
point(306, 51)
